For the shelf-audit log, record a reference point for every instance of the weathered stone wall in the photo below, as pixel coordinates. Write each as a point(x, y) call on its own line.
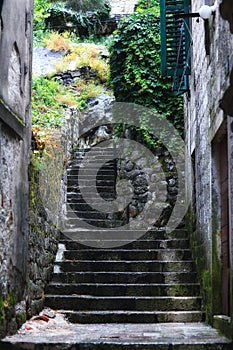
point(204, 123)
point(15, 95)
point(44, 213)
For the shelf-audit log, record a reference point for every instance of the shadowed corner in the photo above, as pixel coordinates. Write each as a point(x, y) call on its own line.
point(226, 102)
point(10, 346)
point(226, 11)
point(1, 5)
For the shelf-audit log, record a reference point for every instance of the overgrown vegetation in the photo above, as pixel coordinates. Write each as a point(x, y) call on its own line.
point(134, 64)
point(40, 15)
point(54, 41)
point(50, 98)
point(145, 5)
point(87, 5)
point(135, 67)
point(82, 23)
point(84, 18)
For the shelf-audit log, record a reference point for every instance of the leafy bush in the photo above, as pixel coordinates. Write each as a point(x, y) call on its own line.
point(87, 5)
point(40, 15)
point(57, 42)
point(49, 99)
point(40, 7)
point(143, 5)
point(82, 55)
point(135, 68)
point(46, 111)
point(62, 19)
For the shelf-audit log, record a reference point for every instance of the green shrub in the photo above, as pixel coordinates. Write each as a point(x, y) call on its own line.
point(152, 5)
point(135, 68)
point(61, 18)
point(40, 14)
point(87, 5)
point(46, 111)
point(50, 99)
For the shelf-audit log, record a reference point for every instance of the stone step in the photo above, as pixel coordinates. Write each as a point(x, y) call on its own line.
point(181, 289)
point(96, 165)
point(113, 316)
point(72, 180)
point(105, 192)
point(74, 195)
point(82, 205)
point(118, 336)
point(131, 235)
point(85, 303)
point(123, 254)
point(95, 149)
point(137, 244)
point(87, 197)
point(74, 170)
point(91, 214)
point(87, 181)
point(129, 266)
point(99, 156)
point(95, 222)
point(124, 277)
point(100, 176)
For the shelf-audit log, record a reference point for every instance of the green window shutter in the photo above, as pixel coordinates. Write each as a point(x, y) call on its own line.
point(175, 41)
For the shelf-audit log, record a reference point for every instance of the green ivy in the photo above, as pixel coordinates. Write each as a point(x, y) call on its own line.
point(50, 100)
point(145, 5)
point(135, 68)
point(46, 111)
point(87, 5)
point(40, 15)
point(61, 18)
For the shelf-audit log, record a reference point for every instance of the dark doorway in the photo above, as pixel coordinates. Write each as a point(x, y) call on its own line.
point(223, 166)
point(220, 207)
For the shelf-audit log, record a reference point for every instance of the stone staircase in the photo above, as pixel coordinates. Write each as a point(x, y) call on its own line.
point(118, 292)
point(150, 280)
point(102, 178)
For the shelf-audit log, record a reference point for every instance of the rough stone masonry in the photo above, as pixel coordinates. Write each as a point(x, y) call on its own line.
point(15, 123)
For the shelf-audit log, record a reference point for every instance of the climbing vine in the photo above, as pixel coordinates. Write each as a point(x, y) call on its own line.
point(135, 68)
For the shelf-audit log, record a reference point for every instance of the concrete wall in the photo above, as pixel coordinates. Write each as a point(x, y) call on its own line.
point(15, 122)
point(206, 125)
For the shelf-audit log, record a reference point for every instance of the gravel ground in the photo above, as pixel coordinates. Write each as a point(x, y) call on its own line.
point(43, 60)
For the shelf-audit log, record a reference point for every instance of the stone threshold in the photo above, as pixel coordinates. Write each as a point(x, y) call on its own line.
point(58, 334)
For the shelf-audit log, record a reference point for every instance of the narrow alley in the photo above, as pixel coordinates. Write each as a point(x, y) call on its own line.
point(116, 175)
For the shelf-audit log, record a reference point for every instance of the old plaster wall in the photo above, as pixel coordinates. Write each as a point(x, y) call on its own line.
point(15, 95)
point(209, 80)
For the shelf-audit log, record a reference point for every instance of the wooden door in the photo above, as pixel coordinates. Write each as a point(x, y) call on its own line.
point(223, 153)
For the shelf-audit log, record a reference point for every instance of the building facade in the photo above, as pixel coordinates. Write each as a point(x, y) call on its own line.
point(209, 141)
point(16, 19)
point(197, 51)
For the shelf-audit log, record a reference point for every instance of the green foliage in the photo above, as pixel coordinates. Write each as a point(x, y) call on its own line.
point(148, 5)
point(49, 99)
point(20, 319)
point(135, 68)
point(40, 14)
point(2, 313)
point(87, 5)
point(7, 306)
point(207, 292)
point(61, 18)
point(46, 111)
